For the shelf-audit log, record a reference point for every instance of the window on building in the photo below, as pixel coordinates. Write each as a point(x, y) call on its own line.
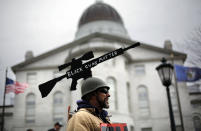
point(30, 108)
point(139, 70)
point(31, 78)
point(194, 88)
point(58, 107)
point(173, 96)
point(147, 129)
point(111, 82)
point(197, 123)
point(196, 103)
point(129, 97)
point(143, 100)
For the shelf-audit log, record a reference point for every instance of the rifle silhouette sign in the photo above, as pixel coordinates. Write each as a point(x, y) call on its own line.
point(79, 70)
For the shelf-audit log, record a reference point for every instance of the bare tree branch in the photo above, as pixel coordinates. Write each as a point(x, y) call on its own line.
point(192, 47)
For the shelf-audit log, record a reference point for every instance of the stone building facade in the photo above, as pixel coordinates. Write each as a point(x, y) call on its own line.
point(137, 96)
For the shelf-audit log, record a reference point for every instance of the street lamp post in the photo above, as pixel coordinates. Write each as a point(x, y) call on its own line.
point(165, 71)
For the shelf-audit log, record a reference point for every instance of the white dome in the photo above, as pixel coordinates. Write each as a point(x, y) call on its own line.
point(103, 18)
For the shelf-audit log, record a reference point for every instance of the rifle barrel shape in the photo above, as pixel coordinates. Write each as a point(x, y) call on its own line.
point(88, 65)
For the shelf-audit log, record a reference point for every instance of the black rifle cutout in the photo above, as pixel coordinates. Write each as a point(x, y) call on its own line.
point(79, 70)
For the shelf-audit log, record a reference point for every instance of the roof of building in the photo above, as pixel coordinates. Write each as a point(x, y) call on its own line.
point(100, 11)
point(77, 42)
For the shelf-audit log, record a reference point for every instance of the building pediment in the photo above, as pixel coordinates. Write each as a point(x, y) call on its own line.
point(70, 50)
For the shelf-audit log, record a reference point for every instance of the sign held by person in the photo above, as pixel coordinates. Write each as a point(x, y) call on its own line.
point(79, 70)
point(114, 127)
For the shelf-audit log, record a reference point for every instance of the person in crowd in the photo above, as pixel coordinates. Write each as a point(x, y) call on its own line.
point(29, 129)
point(90, 111)
point(57, 127)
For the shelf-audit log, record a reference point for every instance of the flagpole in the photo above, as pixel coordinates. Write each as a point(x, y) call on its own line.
point(4, 97)
point(177, 92)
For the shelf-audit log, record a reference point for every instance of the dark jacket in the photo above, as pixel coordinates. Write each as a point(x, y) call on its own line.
point(52, 129)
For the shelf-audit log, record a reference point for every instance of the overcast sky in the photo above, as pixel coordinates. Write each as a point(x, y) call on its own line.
point(42, 25)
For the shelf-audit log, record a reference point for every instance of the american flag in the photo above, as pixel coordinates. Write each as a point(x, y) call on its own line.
point(15, 86)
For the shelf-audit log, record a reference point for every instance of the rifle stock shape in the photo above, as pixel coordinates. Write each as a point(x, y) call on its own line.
point(46, 87)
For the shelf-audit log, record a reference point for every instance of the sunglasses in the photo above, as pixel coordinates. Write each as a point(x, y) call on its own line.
point(105, 91)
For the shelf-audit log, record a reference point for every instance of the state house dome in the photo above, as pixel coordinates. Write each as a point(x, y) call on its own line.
point(100, 11)
point(103, 18)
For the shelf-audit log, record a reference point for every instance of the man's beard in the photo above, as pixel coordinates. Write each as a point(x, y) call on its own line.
point(106, 104)
point(103, 104)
